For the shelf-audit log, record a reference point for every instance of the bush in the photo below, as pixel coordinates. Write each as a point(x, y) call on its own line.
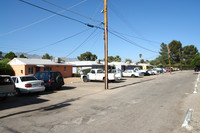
point(85, 71)
point(76, 75)
point(6, 69)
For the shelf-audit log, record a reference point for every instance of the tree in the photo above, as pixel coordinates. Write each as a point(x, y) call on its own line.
point(1, 56)
point(5, 68)
point(142, 61)
point(117, 58)
point(189, 53)
point(128, 60)
point(163, 49)
point(22, 56)
point(87, 56)
point(196, 61)
point(174, 47)
point(47, 56)
point(114, 59)
point(10, 56)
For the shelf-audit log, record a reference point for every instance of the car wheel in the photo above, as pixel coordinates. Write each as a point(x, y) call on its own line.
point(3, 97)
point(133, 76)
point(85, 79)
point(18, 92)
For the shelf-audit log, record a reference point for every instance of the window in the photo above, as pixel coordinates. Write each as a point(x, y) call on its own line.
point(5, 81)
point(30, 70)
point(65, 69)
point(47, 68)
point(23, 79)
point(99, 71)
point(93, 71)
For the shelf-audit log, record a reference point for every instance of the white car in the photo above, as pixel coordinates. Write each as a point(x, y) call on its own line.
point(28, 84)
point(98, 74)
point(152, 72)
point(132, 73)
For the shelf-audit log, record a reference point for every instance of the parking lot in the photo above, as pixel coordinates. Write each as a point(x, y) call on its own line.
point(86, 107)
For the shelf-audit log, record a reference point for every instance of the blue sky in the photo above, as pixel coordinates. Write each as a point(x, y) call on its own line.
point(23, 29)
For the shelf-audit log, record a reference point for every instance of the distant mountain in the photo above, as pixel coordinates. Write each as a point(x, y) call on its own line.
point(30, 56)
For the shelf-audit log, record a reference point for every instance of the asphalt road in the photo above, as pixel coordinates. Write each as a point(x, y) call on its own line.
point(141, 105)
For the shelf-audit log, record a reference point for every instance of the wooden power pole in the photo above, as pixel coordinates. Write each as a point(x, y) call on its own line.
point(169, 59)
point(106, 43)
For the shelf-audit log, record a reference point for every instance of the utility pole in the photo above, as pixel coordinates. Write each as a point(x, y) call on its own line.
point(180, 58)
point(106, 43)
point(169, 59)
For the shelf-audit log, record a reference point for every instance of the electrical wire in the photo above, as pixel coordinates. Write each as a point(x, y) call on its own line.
point(137, 37)
point(71, 11)
point(58, 41)
point(41, 20)
point(89, 25)
point(131, 42)
point(81, 44)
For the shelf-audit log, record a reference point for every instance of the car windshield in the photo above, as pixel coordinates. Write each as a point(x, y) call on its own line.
point(23, 79)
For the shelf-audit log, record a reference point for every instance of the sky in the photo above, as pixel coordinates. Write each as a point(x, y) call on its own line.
point(135, 27)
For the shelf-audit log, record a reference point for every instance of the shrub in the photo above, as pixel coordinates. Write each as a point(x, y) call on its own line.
point(85, 71)
point(6, 69)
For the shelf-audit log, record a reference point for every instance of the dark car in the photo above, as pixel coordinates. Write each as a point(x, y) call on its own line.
point(52, 79)
point(197, 69)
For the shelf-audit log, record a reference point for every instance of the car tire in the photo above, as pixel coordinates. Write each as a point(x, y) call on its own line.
point(133, 76)
point(18, 92)
point(85, 79)
point(3, 97)
point(59, 79)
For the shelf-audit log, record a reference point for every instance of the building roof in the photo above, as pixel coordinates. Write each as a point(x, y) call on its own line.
point(25, 61)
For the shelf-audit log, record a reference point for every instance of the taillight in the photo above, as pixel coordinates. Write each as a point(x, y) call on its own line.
point(49, 80)
point(42, 84)
point(28, 85)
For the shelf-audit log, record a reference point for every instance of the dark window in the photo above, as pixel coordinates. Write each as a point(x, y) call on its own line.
point(27, 78)
point(30, 70)
point(65, 69)
point(5, 81)
point(47, 68)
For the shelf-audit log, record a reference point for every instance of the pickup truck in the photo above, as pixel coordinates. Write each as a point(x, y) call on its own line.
point(7, 86)
point(98, 74)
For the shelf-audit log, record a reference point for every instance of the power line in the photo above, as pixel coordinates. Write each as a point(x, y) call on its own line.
point(71, 11)
point(139, 38)
point(81, 43)
point(131, 42)
point(39, 21)
point(89, 25)
point(58, 41)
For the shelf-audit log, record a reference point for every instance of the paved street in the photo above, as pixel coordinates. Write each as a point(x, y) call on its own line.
point(153, 104)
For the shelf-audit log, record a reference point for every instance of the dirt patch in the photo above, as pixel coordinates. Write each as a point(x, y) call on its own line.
point(73, 80)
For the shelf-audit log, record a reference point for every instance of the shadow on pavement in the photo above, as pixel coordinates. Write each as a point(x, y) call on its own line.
point(130, 84)
point(46, 108)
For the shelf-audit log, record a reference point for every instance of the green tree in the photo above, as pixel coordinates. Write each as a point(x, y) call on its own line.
point(128, 60)
point(196, 61)
point(1, 56)
point(114, 59)
point(174, 47)
point(47, 56)
point(22, 56)
point(87, 56)
point(189, 53)
point(5, 68)
point(163, 49)
point(118, 58)
point(10, 56)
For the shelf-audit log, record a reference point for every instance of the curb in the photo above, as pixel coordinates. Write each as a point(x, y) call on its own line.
point(188, 118)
